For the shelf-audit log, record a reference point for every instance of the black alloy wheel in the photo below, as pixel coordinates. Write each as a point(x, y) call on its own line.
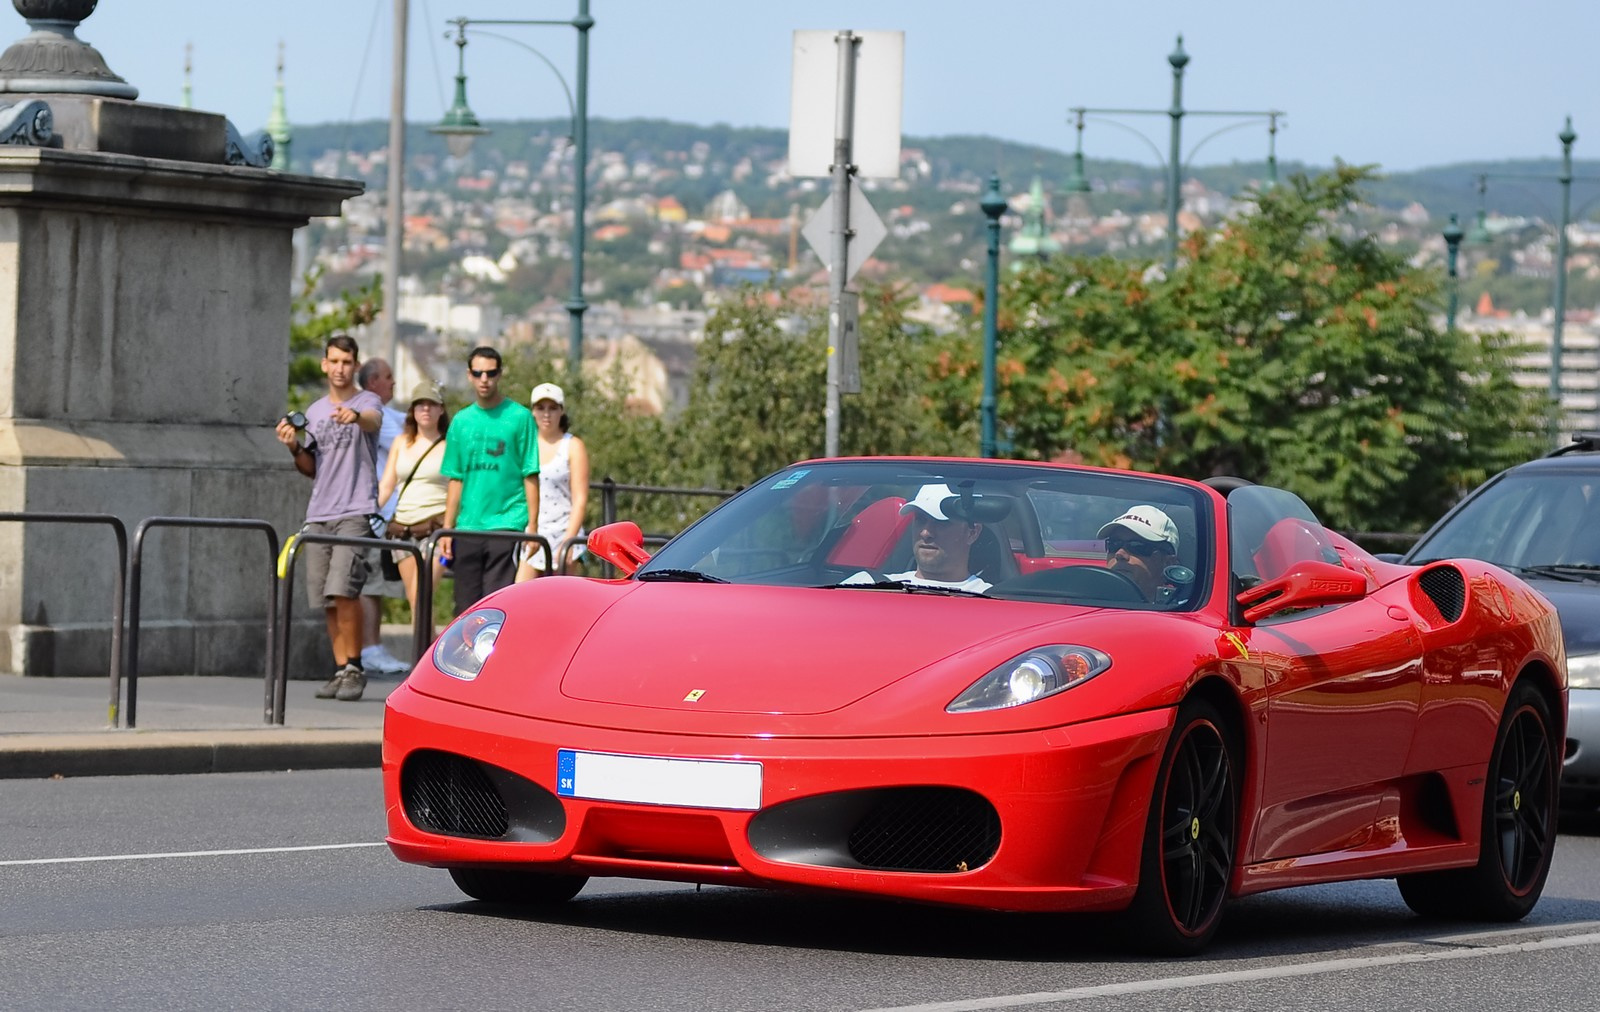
point(1191, 840)
point(1523, 816)
point(1518, 829)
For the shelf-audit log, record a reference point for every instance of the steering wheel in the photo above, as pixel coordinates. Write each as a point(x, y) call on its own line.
point(1093, 582)
point(1110, 585)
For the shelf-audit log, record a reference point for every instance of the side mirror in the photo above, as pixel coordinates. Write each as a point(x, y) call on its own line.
point(1307, 585)
point(621, 544)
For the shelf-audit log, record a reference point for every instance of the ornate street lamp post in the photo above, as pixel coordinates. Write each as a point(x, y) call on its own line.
point(1480, 235)
point(460, 128)
point(1452, 248)
point(1566, 137)
point(994, 205)
point(1174, 162)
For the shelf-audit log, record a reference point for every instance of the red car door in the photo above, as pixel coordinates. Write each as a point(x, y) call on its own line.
point(1343, 685)
point(1343, 688)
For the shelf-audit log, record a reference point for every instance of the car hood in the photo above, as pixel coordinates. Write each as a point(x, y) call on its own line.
point(1578, 605)
point(775, 650)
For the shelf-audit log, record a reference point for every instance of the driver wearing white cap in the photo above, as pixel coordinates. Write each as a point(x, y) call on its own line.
point(1140, 545)
point(941, 544)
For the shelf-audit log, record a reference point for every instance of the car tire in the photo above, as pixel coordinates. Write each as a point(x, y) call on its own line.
point(520, 888)
point(1191, 838)
point(1518, 828)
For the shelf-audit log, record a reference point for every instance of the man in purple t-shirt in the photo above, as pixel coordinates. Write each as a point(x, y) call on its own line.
point(340, 457)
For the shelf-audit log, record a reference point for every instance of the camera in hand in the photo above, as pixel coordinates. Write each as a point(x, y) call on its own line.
point(297, 421)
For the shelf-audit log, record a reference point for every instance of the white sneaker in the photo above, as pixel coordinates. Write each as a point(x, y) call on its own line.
point(377, 659)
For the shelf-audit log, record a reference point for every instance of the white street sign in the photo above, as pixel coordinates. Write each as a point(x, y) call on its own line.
point(869, 231)
point(813, 101)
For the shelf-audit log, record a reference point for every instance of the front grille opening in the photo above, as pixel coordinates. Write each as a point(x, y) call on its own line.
point(1446, 589)
point(452, 795)
point(931, 829)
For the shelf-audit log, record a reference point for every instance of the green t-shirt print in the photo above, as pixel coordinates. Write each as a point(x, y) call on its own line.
point(490, 451)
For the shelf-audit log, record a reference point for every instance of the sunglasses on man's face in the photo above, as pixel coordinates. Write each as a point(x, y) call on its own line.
point(481, 373)
point(1143, 549)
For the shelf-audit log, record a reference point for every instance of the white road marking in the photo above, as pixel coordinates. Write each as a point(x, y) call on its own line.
point(1476, 937)
point(186, 853)
point(1242, 976)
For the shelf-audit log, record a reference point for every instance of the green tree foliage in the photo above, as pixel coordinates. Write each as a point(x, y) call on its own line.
point(1288, 349)
point(310, 326)
point(760, 387)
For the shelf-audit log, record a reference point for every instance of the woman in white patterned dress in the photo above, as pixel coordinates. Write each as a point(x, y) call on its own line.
point(563, 480)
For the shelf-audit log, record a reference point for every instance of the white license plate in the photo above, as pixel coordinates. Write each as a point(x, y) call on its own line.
point(651, 780)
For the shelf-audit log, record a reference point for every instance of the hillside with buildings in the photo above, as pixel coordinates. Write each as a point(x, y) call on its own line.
point(679, 215)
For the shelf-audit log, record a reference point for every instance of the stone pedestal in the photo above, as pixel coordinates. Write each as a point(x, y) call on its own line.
point(144, 322)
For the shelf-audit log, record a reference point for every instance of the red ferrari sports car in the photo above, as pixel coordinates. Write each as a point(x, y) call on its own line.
point(996, 684)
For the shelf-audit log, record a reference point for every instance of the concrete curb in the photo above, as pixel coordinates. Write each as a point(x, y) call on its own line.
point(130, 753)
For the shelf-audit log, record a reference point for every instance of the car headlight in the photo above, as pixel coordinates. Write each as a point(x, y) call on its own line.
point(1583, 672)
point(467, 644)
point(1041, 672)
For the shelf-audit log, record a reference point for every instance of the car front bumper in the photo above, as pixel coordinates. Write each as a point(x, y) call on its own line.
point(1068, 806)
point(1580, 772)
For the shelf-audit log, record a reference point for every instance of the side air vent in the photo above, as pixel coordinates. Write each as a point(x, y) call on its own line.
point(1446, 589)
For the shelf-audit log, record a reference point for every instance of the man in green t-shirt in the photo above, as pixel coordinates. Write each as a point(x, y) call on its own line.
point(492, 461)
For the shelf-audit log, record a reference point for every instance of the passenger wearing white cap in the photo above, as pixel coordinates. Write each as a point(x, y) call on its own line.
point(1140, 545)
point(941, 544)
point(563, 482)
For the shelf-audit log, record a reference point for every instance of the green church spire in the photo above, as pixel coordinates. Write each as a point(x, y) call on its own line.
point(278, 122)
point(1032, 239)
point(187, 102)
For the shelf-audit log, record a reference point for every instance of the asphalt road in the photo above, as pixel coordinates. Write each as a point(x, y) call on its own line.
point(267, 891)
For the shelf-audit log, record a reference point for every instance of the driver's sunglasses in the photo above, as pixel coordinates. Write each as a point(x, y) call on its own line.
point(481, 373)
point(1140, 547)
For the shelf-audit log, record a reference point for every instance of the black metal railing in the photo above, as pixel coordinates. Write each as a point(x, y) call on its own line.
point(1384, 541)
point(135, 581)
point(118, 594)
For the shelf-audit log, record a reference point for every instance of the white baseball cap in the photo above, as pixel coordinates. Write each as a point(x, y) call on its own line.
point(547, 392)
point(1148, 522)
point(930, 500)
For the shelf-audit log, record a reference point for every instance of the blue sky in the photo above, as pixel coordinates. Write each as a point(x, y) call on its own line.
point(1401, 83)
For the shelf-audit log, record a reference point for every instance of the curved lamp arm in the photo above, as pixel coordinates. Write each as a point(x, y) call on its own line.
point(1161, 159)
point(572, 107)
point(1189, 159)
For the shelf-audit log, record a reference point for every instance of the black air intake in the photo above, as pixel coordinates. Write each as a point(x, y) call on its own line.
point(1447, 590)
point(926, 829)
point(452, 795)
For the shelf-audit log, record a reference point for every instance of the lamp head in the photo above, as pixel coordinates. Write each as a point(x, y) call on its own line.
point(1452, 233)
point(993, 203)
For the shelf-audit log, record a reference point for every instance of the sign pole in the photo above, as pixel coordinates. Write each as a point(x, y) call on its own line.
point(839, 274)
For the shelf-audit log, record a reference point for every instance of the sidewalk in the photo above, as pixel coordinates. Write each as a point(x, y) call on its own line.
point(60, 727)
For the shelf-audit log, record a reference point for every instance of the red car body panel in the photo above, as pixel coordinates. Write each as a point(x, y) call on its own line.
point(1365, 727)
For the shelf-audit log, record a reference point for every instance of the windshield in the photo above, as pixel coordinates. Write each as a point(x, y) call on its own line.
point(973, 529)
point(1528, 520)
